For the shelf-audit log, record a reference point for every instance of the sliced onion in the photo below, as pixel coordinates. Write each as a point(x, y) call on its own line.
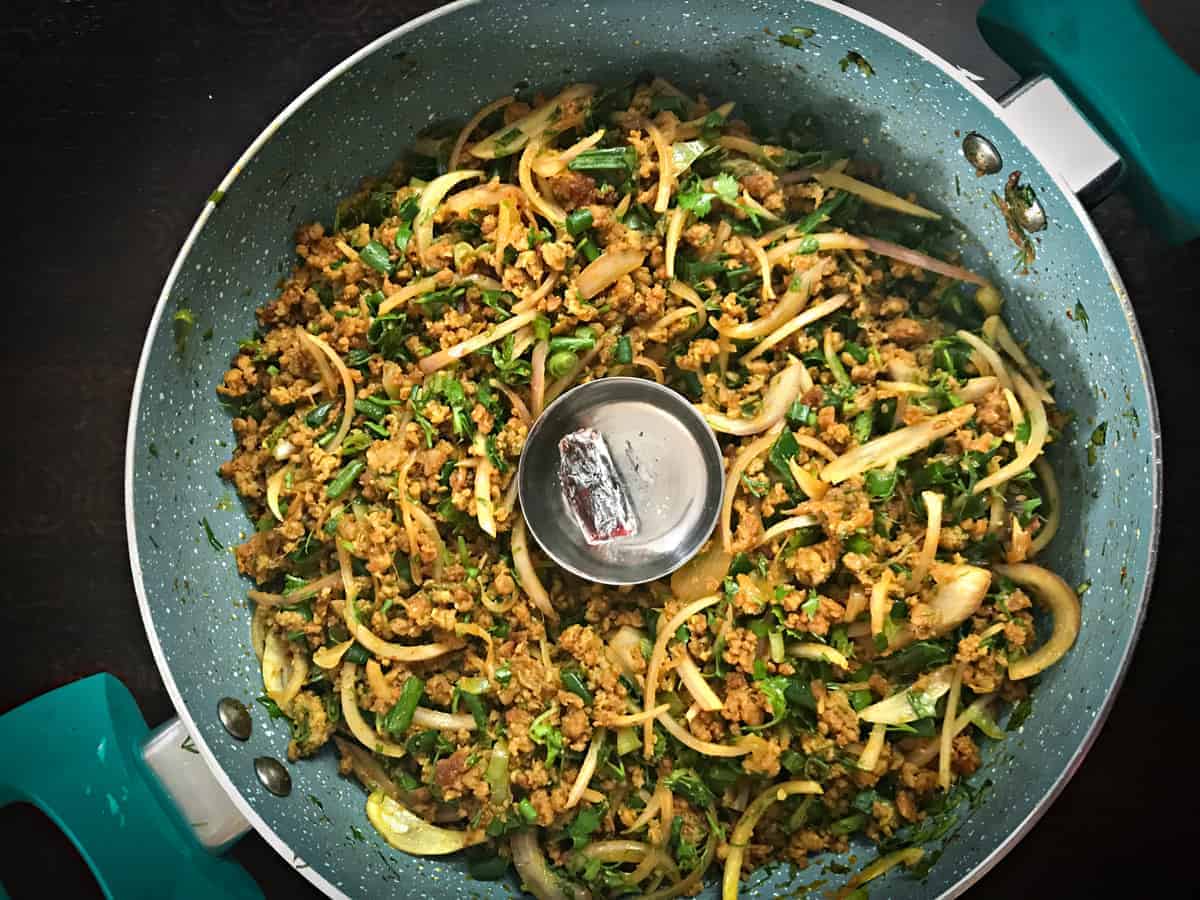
point(1039, 429)
point(887, 449)
point(990, 357)
point(532, 300)
point(618, 851)
point(284, 669)
point(692, 127)
point(485, 196)
point(331, 657)
point(548, 208)
point(812, 486)
point(744, 830)
point(977, 388)
point(816, 445)
point(750, 205)
point(803, 320)
point(656, 859)
point(347, 386)
point(764, 268)
point(960, 593)
point(898, 709)
point(328, 380)
point(658, 657)
point(518, 405)
point(1045, 475)
point(997, 332)
point(902, 387)
point(470, 127)
point(778, 399)
point(819, 652)
point(410, 525)
point(702, 574)
point(311, 589)
point(927, 750)
point(496, 775)
point(537, 378)
point(530, 582)
point(553, 163)
point(354, 720)
point(637, 718)
point(734, 479)
point(786, 525)
point(586, 770)
point(483, 497)
point(1063, 603)
point(532, 125)
point(426, 524)
point(872, 195)
point(531, 865)
point(409, 833)
point(606, 269)
point(683, 292)
point(471, 628)
point(274, 486)
point(880, 605)
point(366, 637)
point(410, 290)
point(655, 370)
point(947, 737)
point(933, 534)
point(873, 749)
point(431, 199)
point(675, 225)
point(908, 857)
point(424, 717)
point(443, 358)
point(708, 748)
point(790, 304)
point(367, 770)
point(375, 680)
point(692, 884)
point(690, 675)
point(839, 241)
point(258, 630)
point(651, 808)
point(347, 251)
point(666, 174)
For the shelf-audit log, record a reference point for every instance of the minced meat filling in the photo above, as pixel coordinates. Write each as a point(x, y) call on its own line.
point(380, 408)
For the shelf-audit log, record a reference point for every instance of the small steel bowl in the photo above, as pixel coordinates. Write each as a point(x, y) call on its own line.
point(665, 454)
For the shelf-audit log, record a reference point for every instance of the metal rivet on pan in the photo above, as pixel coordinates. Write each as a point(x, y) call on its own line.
point(982, 154)
point(235, 717)
point(273, 775)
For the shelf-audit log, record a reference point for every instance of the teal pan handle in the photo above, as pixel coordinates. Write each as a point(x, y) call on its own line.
point(1124, 77)
point(75, 753)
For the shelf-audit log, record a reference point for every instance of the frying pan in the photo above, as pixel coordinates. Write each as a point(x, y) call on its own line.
point(151, 811)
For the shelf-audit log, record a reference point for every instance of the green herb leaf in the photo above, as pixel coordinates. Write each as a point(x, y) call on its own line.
point(579, 221)
point(212, 538)
point(272, 707)
point(584, 824)
point(398, 719)
point(375, 255)
point(689, 785)
point(854, 58)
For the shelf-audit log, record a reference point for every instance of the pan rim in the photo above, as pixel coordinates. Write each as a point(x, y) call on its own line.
point(235, 795)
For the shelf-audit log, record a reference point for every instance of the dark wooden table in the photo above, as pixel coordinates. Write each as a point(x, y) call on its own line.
point(120, 119)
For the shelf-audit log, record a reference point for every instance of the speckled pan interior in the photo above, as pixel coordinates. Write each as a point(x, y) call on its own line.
point(909, 116)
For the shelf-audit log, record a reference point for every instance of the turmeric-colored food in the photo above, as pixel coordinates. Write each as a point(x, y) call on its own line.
point(829, 664)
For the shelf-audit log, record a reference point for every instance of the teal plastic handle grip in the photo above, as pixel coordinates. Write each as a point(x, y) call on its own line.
point(1130, 84)
point(75, 753)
